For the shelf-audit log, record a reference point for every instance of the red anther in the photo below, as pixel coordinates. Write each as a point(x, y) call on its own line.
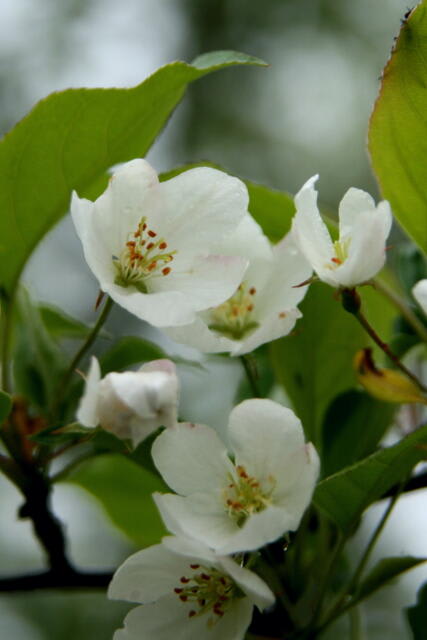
point(163, 245)
point(336, 260)
point(144, 226)
point(150, 245)
point(151, 233)
point(241, 471)
point(223, 581)
point(223, 598)
point(178, 590)
point(205, 576)
point(166, 270)
point(252, 291)
point(250, 307)
point(152, 266)
point(195, 566)
point(218, 610)
point(282, 314)
point(184, 580)
point(201, 602)
point(192, 613)
point(183, 598)
point(131, 243)
point(137, 233)
point(141, 244)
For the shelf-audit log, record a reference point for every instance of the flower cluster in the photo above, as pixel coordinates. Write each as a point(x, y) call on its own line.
point(187, 256)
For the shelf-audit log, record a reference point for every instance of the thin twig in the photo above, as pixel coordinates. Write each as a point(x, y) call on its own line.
point(56, 580)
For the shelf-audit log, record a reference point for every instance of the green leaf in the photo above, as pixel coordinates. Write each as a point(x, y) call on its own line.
point(124, 489)
point(314, 364)
point(398, 128)
point(71, 138)
point(5, 405)
point(61, 325)
point(384, 571)
point(273, 210)
point(345, 495)
point(353, 426)
point(38, 362)
point(54, 435)
point(417, 615)
point(129, 351)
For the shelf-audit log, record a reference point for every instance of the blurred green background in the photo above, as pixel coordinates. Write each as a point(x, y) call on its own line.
point(307, 113)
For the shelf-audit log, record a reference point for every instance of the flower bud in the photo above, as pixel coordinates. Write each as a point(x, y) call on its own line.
point(132, 404)
point(387, 385)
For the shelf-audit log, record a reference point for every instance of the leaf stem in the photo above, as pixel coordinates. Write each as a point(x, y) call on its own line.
point(84, 349)
point(410, 317)
point(251, 374)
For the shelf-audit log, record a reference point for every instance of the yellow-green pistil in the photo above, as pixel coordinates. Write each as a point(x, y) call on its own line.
point(234, 317)
point(208, 590)
point(245, 496)
point(341, 253)
point(143, 256)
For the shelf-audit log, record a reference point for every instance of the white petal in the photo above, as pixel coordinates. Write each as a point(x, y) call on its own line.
point(159, 309)
point(163, 364)
point(250, 583)
point(420, 294)
point(207, 282)
point(194, 549)
point(258, 530)
point(168, 618)
point(201, 205)
point(261, 433)
point(87, 413)
point(366, 252)
point(295, 488)
point(354, 202)
point(275, 326)
point(191, 458)
point(309, 230)
point(148, 574)
point(199, 336)
point(201, 516)
point(248, 241)
point(150, 394)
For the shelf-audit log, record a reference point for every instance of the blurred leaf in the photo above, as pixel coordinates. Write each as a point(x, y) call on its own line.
point(398, 128)
point(38, 362)
point(411, 267)
point(315, 363)
point(61, 325)
point(273, 210)
point(5, 405)
point(417, 615)
point(128, 351)
point(58, 435)
point(385, 570)
point(353, 426)
point(124, 489)
point(71, 138)
point(345, 495)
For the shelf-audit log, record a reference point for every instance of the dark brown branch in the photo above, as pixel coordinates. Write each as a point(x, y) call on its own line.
point(70, 579)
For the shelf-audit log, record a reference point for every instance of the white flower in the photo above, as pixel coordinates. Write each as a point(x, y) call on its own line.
point(264, 306)
point(363, 229)
point(242, 504)
point(131, 404)
point(189, 593)
point(420, 294)
point(149, 243)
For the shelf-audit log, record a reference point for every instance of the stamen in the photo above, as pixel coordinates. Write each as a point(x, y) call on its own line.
point(139, 260)
point(234, 318)
point(246, 495)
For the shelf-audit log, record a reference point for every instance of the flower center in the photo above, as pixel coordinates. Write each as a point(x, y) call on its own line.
point(208, 590)
point(144, 256)
point(341, 253)
point(245, 496)
point(234, 317)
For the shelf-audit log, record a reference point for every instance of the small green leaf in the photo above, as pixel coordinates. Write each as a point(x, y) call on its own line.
point(38, 362)
point(398, 127)
point(58, 435)
point(5, 405)
point(315, 362)
point(353, 426)
point(124, 489)
point(71, 138)
point(60, 325)
point(345, 495)
point(129, 351)
point(417, 615)
point(384, 571)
